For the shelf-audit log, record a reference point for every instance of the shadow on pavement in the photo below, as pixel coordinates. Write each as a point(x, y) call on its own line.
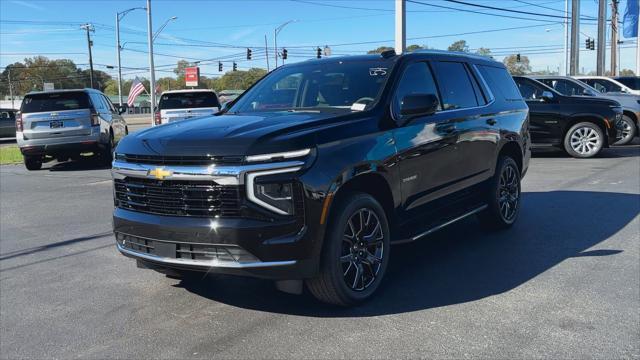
point(612, 152)
point(85, 163)
point(461, 263)
point(36, 249)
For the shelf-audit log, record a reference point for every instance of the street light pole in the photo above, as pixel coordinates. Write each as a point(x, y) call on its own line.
point(276, 31)
point(120, 16)
point(152, 75)
point(401, 27)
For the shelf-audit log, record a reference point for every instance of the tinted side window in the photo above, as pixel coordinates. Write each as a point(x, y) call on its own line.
point(109, 104)
point(530, 90)
point(98, 103)
point(416, 79)
point(605, 86)
point(500, 82)
point(564, 87)
point(455, 85)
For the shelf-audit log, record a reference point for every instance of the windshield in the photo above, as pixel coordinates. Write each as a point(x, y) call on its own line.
point(343, 85)
point(630, 82)
point(187, 100)
point(54, 102)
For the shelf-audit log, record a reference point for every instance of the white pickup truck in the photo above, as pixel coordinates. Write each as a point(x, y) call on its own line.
point(179, 105)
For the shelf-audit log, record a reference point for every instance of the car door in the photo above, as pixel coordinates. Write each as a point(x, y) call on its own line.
point(117, 122)
point(476, 124)
point(425, 144)
point(544, 117)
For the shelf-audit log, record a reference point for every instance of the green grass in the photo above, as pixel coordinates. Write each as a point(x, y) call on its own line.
point(10, 155)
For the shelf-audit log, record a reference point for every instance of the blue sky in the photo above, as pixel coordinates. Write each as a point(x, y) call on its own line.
point(204, 29)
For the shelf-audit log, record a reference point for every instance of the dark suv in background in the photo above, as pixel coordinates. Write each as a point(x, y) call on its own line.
point(65, 123)
point(318, 168)
point(582, 126)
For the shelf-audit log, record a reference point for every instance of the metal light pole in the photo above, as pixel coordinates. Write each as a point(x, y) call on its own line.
point(602, 37)
point(11, 89)
point(163, 26)
point(566, 37)
point(575, 38)
point(120, 16)
point(276, 31)
point(401, 26)
point(152, 75)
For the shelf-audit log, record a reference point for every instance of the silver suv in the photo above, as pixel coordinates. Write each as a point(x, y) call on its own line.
point(65, 123)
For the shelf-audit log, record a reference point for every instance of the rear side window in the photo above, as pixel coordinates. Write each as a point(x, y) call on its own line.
point(7, 115)
point(602, 85)
point(630, 82)
point(54, 102)
point(500, 82)
point(188, 100)
point(456, 85)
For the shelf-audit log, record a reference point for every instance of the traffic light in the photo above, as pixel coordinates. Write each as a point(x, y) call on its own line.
point(517, 57)
point(219, 66)
point(248, 54)
point(592, 46)
point(587, 44)
point(319, 53)
point(284, 54)
point(235, 66)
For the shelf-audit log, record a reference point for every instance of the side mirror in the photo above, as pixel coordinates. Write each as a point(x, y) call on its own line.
point(122, 109)
point(547, 96)
point(419, 105)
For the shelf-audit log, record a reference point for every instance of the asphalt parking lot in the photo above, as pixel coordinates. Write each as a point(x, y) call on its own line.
point(564, 282)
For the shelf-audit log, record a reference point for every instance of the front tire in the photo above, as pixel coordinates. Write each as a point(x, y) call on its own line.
point(628, 128)
point(503, 199)
point(33, 162)
point(584, 140)
point(355, 252)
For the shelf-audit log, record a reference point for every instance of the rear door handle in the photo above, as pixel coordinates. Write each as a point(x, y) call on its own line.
point(491, 122)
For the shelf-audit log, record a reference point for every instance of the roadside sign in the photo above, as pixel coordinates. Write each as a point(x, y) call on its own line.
point(191, 76)
point(48, 87)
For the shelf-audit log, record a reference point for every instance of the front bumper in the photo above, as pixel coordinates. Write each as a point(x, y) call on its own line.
point(275, 247)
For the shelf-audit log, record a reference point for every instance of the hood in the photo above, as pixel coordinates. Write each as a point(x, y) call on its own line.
point(628, 101)
point(228, 135)
point(590, 100)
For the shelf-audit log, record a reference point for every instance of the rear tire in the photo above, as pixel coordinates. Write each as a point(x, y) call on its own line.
point(584, 140)
point(503, 200)
point(628, 130)
point(107, 153)
point(355, 252)
point(33, 162)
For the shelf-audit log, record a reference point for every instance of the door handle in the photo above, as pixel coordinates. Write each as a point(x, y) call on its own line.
point(491, 122)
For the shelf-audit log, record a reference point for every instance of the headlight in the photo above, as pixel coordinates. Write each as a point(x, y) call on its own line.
point(276, 196)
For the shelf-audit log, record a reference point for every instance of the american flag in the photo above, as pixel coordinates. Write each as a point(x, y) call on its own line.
point(136, 89)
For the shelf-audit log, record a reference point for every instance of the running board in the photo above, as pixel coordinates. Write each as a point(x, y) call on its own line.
point(438, 227)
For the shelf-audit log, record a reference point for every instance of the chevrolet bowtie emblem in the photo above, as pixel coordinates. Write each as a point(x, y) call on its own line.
point(159, 173)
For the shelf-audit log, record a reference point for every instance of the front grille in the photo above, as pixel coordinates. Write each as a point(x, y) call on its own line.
point(180, 160)
point(177, 198)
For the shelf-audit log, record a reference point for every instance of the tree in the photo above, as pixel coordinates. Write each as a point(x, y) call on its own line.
point(627, 72)
point(379, 50)
point(484, 52)
point(414, 47)
point(460, 45)
point(180, 66)
point(239, 80)
point(515, 67)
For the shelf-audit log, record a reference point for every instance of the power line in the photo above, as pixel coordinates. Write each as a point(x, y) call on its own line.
point(477, 12)
point(511, 10)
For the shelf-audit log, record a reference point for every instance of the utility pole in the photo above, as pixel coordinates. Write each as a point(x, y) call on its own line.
point(566, 37)
point(119, 64)
point(401, 26)
point(152, 75)
point(89, 28)
point(266, 50)
point(11, 89)
point(575, 38)
point(614, 37)
point(602, 36)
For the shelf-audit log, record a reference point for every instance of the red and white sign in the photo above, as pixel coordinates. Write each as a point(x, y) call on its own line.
point(191, 76)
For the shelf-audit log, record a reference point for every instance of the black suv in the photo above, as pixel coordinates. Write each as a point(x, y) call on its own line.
point(318, 168)
point(582, 126)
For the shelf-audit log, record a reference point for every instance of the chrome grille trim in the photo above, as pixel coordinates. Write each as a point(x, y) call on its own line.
point(221, 175)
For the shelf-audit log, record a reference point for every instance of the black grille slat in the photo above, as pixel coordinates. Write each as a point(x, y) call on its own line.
point(180, 160)
point(177, 198)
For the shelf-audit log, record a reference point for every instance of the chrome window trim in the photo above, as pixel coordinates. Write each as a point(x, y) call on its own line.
point(221, 175)
point(251, 189)
point(204, 263)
